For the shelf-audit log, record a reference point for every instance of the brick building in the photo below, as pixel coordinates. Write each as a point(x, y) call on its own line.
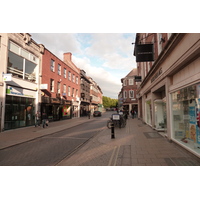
point(60, 86)
point(127, 97)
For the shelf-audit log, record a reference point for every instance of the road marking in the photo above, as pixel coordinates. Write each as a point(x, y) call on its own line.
point(118, 148)
point(114, 156)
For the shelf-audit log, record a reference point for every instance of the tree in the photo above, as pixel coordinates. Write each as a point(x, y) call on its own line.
point(108, 102)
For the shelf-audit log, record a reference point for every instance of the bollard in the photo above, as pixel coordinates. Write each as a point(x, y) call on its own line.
point(112, 131)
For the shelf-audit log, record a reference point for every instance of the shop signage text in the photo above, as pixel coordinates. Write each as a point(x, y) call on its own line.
point(156, 75)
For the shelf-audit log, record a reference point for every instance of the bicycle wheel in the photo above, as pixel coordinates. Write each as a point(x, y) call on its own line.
point(109, 124)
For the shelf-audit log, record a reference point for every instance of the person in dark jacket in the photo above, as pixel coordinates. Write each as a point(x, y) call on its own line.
point(44, 119)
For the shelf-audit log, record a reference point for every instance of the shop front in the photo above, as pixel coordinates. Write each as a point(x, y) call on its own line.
point(56, 109)
point(19, 108)
point(186, 116)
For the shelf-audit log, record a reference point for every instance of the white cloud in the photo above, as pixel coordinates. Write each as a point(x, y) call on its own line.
point(109, 84)
point(106, 57)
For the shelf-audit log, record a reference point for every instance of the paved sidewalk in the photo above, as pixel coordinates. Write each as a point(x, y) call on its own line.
point(20, 135)
point(135, 145)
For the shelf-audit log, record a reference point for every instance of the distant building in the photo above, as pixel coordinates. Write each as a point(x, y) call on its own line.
point(127, 97)
point(84, 93)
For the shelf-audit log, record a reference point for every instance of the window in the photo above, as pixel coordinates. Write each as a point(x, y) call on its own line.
point(77, 80)
point(125, 94)
point(65, 73)
point(69, 76)
point(131, 93)
point(69, 91)
point(124, 82)
point(58, 88)
point(51, 85)
point(20, 63)
point(76, 93)
point(72, 92)
point(73, 78)
point(59, 69)
point(52, 65)
point(64, 90)
point(130, 81)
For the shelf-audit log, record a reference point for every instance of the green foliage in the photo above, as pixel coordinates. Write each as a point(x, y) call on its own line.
point(108, 102)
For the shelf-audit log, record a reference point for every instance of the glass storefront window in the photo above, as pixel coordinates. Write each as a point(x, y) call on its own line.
point(160, 114)
point(19, 112)
point(186, 116)
point(148, 112)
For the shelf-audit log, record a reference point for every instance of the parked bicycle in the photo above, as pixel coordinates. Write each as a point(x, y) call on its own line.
point(121, 123)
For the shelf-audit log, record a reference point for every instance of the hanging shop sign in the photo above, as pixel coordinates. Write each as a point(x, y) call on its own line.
point(138, 79)
point(144, 52)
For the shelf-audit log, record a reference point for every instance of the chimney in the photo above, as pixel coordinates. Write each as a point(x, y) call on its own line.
point(67, 57)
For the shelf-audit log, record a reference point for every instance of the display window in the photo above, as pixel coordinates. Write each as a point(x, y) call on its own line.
point(148, 112)
point(160, 114)
point(186, 115)
point(20, 112)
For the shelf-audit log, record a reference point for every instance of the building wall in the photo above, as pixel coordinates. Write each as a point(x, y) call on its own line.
point(20, 95)
point(173, 73)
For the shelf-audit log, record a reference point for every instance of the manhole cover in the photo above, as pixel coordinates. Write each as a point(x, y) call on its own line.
point(152, 135)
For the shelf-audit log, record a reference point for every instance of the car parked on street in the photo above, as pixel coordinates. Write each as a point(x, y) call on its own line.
point(97, 114)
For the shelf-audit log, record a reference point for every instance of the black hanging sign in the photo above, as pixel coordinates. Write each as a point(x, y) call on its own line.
point(144, 52)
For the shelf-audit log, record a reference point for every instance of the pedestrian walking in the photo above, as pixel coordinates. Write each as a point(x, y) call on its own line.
point(45, 121)
point(89, 114)
point(37, 119)
point(132, 113)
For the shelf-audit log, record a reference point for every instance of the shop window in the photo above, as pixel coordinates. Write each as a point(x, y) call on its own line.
point(186, 116)
point(148, 112)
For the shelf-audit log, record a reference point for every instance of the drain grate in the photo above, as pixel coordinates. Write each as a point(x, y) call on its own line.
point(152, 135)
point(181, 161)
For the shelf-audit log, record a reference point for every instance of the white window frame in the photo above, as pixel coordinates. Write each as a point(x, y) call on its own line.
point(130, 81)
point(59, 69)
point(65, 73)
point(131, 96)
point(69, 91)
point(52, 66)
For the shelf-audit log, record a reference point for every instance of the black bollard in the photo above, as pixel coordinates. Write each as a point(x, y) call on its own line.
point(112, 131)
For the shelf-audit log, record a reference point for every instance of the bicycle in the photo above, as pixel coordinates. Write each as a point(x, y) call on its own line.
point(121, 123)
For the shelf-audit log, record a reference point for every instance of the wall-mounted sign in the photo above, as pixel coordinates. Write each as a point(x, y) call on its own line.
point(20, 92)
point(7, 77)
point(44, 86)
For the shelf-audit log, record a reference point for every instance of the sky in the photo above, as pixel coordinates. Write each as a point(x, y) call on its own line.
point(106, 57)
